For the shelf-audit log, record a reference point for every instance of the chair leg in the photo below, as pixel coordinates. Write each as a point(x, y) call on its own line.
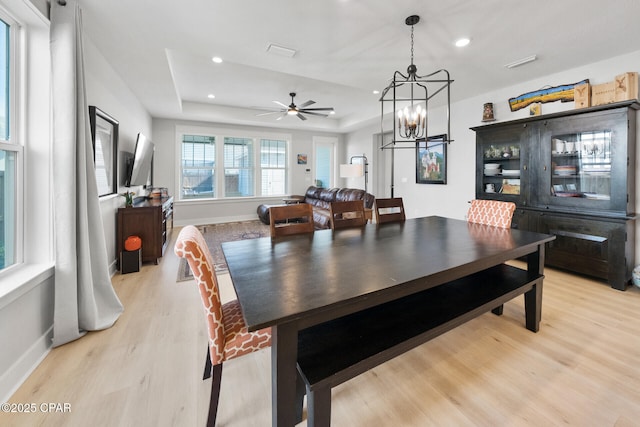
point(216, 372)
point(207, 365)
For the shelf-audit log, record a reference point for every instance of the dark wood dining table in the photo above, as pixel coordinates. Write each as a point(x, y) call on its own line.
point(296, 282)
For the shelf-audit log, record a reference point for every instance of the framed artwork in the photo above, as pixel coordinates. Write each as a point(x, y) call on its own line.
point(104, 137)
point(302, 159)
point(431, 160)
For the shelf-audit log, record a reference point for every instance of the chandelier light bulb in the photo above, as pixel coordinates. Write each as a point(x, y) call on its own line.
point(412, 122)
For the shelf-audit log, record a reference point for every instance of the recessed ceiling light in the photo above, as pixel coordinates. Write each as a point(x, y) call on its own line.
point(462, 42)
point(332, 112)
point(211, 96)
point(375, 92)
point(217, 59)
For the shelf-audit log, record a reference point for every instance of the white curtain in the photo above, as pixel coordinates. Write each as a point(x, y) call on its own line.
point(84, 296)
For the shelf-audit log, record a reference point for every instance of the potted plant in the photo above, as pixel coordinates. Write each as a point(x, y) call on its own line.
point(128, 198)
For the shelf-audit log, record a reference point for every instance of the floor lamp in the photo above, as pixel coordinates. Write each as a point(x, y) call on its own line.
point(352, 170)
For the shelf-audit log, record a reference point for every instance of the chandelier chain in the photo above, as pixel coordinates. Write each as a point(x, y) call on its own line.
point(412, 45)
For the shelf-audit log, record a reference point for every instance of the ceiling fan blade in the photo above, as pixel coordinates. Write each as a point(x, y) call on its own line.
point(301, 117)
point(268, 113)
point(280, 104)
point(309, 102)
point(313, 113)
point(283, 115)
point(317, 109)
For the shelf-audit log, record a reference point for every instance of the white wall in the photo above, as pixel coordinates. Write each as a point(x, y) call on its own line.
point(451, 199)
point(107, 91)
point(213, 211)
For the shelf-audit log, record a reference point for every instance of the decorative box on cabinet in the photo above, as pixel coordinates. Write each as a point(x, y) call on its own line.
point(152, 221)
point(576, 180)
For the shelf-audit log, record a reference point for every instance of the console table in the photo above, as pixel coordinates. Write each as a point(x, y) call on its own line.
point(149, 219)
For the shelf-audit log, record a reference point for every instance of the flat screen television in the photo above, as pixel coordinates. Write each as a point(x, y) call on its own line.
point(141, 166)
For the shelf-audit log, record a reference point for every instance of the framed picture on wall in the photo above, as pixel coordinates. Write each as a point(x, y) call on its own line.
point(431, 160)
point(104, 137)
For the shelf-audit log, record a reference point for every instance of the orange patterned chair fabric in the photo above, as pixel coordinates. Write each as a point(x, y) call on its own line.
point(228, 334)
point(491, 212)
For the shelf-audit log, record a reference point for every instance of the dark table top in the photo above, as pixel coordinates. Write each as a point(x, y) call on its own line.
point(312, 279)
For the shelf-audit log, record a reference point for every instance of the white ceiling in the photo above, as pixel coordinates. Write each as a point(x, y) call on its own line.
point(345, 49)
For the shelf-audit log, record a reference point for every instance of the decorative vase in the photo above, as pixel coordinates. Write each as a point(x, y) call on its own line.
point(133, 243)
point(487, 112)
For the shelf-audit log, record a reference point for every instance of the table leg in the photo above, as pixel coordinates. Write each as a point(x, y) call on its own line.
point(533, 298)
point(319, 407)
point(284, 356)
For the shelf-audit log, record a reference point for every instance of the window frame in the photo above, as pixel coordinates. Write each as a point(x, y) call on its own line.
point(14, 143)
point(261, 168)
point(181, 170)
point(250, 170)
point(220, 167)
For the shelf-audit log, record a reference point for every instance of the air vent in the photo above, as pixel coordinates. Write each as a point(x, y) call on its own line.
point(281, 50)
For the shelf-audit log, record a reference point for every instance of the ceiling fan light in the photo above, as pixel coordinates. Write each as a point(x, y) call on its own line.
point(292, 111)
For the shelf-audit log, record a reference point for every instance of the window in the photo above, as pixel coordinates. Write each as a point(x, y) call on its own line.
point(7, 208)
point(5, 62)
point(249, 165)
point(273, 162)
point(238, 167)
point(9, 151)
point(198, 167)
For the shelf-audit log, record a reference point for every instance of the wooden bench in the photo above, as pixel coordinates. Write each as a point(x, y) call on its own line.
point(334, 352)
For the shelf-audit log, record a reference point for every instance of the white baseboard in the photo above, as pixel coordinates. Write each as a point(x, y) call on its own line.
point(216, 220)
point(13, 378)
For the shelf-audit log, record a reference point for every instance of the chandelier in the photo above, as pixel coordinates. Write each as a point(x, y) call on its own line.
point(412, 119)
point(408, 95)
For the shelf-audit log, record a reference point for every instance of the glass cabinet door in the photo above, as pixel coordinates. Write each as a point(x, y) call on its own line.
point(582, 160)
point(581, 165)
point(502, 165)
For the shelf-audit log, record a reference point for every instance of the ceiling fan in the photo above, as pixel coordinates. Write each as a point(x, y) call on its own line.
point(294, 110)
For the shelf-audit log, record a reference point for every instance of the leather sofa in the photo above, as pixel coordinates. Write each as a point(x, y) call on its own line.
point(320, 199)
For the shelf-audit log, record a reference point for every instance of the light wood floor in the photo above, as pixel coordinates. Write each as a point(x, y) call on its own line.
point(581, 369)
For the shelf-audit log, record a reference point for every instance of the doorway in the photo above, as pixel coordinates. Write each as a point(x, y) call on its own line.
point(324, 149)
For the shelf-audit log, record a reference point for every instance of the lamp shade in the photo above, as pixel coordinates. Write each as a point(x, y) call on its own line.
point(351, 170)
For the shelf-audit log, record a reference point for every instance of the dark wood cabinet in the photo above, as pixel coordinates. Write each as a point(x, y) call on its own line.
point(571, 174)
point(152, 221)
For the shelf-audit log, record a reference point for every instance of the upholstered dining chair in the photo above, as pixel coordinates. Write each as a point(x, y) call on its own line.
point(491, 212)
point(390, 210)
point(347, 214)
point(228, 334)
point(287, 220)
